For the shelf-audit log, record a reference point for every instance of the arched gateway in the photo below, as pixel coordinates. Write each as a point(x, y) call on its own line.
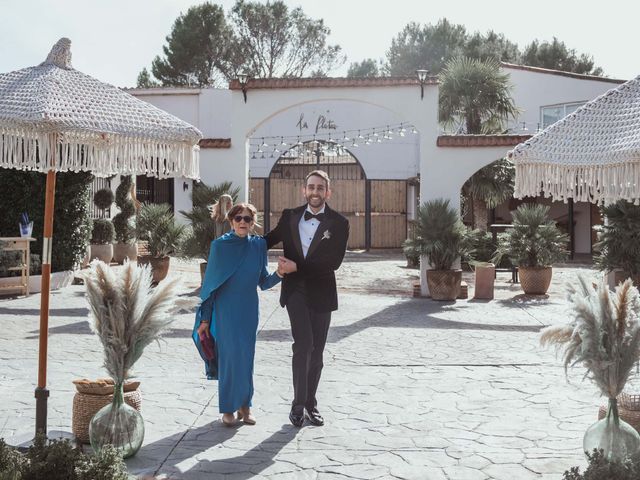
point(376, 209)
point(369, 153)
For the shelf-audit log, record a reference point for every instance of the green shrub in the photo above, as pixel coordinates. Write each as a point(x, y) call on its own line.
point(618, 245)
point(108, 465)
point(534, 240)
point(478, 246)
point(60, 460)
point(11, 462)
point(24, 192)
point(411, 250)
point(600, 468)
point(122, 222)
point(103, 232)
point(54, 460)
point(103, 198)
point(156, 224)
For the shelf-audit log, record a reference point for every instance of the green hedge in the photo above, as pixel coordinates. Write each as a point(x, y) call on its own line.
point(24, 192)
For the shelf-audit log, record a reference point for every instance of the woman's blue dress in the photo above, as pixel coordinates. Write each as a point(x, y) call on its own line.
point(236, 267)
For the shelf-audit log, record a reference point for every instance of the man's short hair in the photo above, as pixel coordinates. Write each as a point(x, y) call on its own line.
point(319, 173)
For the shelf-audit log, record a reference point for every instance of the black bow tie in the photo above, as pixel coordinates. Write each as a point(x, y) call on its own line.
point(308, 216)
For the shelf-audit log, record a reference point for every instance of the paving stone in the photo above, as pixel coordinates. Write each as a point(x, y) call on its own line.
point(412, 388)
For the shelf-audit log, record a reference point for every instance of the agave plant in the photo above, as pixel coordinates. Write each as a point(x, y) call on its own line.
point(618, 245)
point(604, 335)
point(126, 313)
point(534, 240)
point(439, 233)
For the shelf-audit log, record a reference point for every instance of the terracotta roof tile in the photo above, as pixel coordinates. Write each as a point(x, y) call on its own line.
point(561, 73)
point(481, 140)
point(215, 143)
point(330, 82)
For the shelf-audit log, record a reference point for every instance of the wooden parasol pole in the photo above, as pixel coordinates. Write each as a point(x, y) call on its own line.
point(41, 393)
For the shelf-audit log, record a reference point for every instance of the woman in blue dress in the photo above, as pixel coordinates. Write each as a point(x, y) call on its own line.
point(229, 311)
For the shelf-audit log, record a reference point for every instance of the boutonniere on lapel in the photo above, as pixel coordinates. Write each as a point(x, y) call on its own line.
point(326, 235)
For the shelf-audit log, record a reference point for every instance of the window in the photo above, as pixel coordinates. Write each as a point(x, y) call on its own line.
point(553, 113)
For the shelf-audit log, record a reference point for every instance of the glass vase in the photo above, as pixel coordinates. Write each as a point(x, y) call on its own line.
point(117, 424)
point(614, 436)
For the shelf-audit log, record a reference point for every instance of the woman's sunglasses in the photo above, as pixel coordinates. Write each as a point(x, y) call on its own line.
point(246, 218)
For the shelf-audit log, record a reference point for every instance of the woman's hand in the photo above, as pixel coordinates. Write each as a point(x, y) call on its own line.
point(203, 329)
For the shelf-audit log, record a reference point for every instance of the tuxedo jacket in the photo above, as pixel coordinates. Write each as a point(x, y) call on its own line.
point(317, 271)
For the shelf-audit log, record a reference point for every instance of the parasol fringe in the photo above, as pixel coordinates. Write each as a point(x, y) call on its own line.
point(26, 149)
point(594, 183)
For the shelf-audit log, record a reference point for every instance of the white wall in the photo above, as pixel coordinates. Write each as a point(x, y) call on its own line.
point(393, 159)
point(268, 110)
point(533, 90)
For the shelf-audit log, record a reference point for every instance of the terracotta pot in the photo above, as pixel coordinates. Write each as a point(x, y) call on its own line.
point(122, 251)
point(102, 252)
point(159, 266)
point(535, 280)
point(620, 276)
point(444, 284)
point(203, 268)
point(485, 275)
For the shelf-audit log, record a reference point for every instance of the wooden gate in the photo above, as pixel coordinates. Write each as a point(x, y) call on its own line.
point(388, 213)
point(351, 194)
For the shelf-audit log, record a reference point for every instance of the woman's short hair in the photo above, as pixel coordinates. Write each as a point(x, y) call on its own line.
point(239, 207)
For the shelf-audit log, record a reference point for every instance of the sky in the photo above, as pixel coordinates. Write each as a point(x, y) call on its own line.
point(113, 40)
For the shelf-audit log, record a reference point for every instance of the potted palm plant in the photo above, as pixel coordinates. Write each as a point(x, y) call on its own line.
point(617, 246)
point(157, 226)
point(439, 235)
point(534, 244)
point(125, 246)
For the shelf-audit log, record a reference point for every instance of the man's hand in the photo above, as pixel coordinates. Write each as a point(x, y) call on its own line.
point(286, 266)
point(204, 329)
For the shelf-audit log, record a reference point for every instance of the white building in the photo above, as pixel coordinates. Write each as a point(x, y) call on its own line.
point(251, 143)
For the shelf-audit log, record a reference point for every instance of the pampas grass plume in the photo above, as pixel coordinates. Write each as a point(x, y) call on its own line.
point(127, 314)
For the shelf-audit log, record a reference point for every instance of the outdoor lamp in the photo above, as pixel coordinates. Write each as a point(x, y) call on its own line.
point(422, 78)
point(242, 80)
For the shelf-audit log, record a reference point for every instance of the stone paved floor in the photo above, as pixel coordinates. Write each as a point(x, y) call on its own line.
point(412, 389)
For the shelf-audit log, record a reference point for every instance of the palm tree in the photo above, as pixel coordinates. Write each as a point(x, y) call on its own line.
point(475, 98)
point(475, 95)
point(488, 188)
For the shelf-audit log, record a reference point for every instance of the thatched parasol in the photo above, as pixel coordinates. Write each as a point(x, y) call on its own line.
point(55, 119)
point(592, 155)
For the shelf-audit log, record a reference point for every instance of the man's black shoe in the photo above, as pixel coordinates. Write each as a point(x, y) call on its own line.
point(314, 417)
point(296, 416)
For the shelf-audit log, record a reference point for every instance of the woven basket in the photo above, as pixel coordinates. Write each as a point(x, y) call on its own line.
point(86, 405)
point(629, 401)
point(632, 417)
point(535, 280)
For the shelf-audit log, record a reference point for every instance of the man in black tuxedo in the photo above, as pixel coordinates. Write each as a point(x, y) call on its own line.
point(314, 239)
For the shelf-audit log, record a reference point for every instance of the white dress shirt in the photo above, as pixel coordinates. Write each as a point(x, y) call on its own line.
point(307, 229)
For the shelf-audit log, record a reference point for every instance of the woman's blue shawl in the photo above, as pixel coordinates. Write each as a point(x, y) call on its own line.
point(226, 254)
